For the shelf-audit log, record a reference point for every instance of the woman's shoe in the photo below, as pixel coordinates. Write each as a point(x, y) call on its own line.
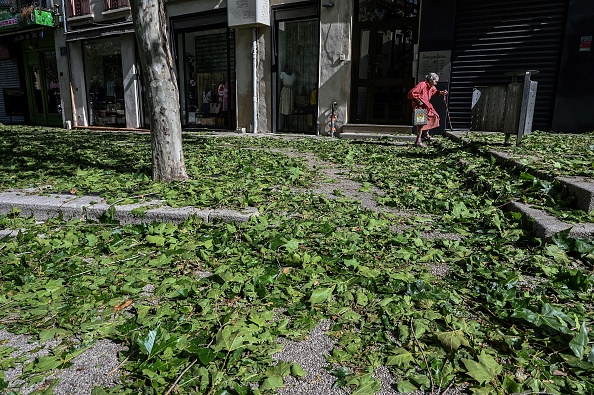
point(417, 144)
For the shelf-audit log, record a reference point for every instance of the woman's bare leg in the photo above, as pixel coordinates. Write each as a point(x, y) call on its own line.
point(419, 134)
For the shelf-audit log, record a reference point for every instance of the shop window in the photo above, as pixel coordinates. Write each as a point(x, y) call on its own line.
point(207, 78)
point(54, 104)
point(105, 89)
point(298, 75)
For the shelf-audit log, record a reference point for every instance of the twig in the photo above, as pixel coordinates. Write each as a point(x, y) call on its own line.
point(119, 365)
point(81, 273)
point(486, 309)
point(128, 259)
point(179, 377)
point(424, 356)
point(448, 387)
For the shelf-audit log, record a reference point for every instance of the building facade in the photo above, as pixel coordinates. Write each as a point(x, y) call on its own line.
point(28, 65)
point(304, 67)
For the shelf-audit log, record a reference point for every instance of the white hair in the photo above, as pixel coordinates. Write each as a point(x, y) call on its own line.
point(432, 77)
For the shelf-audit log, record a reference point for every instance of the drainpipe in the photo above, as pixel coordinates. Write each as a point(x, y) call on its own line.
point(64, 17)
point(255, 77)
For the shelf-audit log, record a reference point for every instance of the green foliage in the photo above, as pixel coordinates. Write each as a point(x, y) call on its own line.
point(509, 315)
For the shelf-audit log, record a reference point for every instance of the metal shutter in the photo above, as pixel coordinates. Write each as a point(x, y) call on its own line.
point(496, 37)
point(9, 81)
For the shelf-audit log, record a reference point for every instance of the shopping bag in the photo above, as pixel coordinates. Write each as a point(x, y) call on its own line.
point(420, 116)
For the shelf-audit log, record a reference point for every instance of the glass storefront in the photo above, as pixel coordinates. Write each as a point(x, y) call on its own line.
point(207, 77)
point(297, 63)
point(105, 88)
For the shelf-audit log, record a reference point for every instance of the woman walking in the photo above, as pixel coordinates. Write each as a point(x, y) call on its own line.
point(420, 97)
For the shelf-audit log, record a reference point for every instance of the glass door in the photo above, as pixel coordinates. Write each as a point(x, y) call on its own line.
point(296, 69)
point(206, 70)
point(43, 88)
point(105, 82)
point(52, 86)
point(383, 61)
point(383, 75)
point(36, 88)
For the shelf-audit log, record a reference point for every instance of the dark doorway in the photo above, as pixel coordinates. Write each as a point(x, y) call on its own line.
point(383, 61)
point(41, 75)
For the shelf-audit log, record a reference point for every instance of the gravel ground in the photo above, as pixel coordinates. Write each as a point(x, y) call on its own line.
point(310, 355)
point(336, 179)
point(97, 366)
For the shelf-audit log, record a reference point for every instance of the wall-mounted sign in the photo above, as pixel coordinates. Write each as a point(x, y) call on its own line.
point(586, 44)
point(435, 62)
point(8, 19)
point(16, 20)
point(248, 13)
point(44, 18)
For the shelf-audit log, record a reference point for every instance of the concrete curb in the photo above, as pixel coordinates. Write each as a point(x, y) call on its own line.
point(376, 136)
point(583, 190)
point(92, 208)
point(544, 224)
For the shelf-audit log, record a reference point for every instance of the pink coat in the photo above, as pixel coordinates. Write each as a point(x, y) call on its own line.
point(423, 91)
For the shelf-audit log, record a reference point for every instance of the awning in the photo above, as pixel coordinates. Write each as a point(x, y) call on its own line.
point(17, 32)
point(100, 31)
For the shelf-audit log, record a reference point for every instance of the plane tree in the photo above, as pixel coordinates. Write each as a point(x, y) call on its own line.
point(161, 89)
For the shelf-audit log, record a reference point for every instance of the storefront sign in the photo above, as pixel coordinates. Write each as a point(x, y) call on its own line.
point(44, 18)
point(8, 19)
point(15, 21)
point(435, 62)
point(586, 44)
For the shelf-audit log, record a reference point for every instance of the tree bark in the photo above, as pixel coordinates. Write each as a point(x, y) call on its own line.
point(161, 90)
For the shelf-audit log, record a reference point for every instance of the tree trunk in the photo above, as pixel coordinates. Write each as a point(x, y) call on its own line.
point(160, 85)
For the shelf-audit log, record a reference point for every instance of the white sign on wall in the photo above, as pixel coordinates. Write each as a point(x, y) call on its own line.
point(435, 62)
point(248, 13)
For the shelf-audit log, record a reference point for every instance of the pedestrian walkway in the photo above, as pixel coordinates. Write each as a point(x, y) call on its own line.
point(41, 206)
point(311, 352)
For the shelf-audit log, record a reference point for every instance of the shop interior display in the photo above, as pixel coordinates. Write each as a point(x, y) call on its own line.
point(208, 77)
point(208, 99)
point(298, 78)
point(106, 94)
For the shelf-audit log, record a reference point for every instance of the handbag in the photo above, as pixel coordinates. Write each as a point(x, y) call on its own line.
point(420, 116)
